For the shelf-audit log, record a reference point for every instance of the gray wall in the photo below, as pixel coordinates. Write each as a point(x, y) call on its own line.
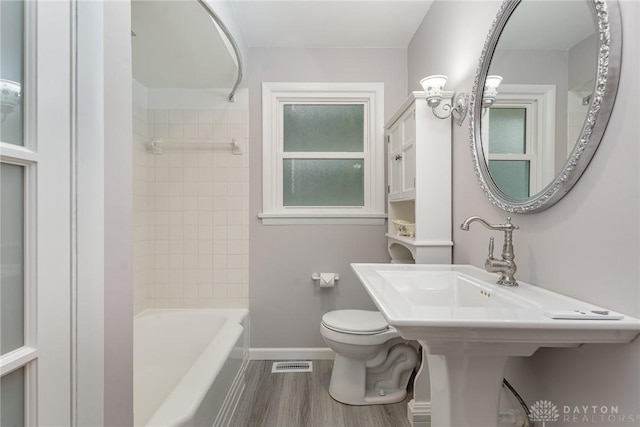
point(285, 306)
point(585, 52)
point(586, 246)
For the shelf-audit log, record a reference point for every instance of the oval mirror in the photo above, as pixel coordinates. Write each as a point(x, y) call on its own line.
point(542, 97)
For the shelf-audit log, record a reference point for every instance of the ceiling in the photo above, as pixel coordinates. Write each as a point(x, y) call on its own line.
point(177, 45)
point(548, 25)
point(329, 23)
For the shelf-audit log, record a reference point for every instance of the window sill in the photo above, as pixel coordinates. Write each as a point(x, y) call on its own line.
point(322, 219)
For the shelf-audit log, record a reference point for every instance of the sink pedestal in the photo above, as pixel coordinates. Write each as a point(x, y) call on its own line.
point(466, 380)
point(419, 408)
point(465, 391)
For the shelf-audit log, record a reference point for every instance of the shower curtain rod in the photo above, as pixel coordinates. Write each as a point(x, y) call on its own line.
point(160, 145)
point(236, 49)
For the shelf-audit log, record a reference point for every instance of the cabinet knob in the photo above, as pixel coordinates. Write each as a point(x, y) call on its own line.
point(398, 157)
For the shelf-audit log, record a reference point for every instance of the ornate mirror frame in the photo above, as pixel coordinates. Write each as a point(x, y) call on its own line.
point(607, 15)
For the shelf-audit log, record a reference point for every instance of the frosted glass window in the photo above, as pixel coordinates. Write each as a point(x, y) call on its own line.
point(323, 128)
point(507, 130)
point(11, 257)
point(511, 176)
point(12, 399)
point(323, 182)
point(11, 71)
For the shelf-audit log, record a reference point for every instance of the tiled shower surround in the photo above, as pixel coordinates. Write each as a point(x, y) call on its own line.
point(191, 206)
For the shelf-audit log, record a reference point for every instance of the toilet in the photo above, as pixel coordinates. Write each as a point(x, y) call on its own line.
point(373, 363)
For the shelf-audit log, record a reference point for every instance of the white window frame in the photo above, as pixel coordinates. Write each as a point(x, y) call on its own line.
point(274, 97)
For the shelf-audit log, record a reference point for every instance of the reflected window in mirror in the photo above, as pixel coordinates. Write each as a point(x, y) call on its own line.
point(510, 150)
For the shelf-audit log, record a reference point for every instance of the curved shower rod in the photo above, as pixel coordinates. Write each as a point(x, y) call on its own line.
point(236, 49)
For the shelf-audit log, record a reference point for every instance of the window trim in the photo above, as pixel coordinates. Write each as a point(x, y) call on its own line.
point(274, 96)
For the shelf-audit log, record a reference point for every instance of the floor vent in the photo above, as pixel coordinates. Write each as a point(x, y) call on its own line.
point(292, 366)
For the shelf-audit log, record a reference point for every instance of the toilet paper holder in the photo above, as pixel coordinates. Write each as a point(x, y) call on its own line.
point(328, 280)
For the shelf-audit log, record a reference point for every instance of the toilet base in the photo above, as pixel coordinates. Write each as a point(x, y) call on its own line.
point(348, 385)
point(393, 397)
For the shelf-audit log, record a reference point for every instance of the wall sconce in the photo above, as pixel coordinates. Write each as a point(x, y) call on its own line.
point(10, 93)
point(490, 90)
point(433, 86)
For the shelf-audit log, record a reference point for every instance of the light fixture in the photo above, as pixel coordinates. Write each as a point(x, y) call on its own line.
point(490, 90)
point(433, 86)
point(10, 93)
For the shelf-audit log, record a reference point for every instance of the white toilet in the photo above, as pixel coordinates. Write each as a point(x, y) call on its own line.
point(373, 363)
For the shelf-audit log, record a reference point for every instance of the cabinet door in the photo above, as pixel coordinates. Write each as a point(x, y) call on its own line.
point(395, 152)
point(408, 152)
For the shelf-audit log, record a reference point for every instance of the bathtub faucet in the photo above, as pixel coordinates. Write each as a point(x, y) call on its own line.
point(505, 266)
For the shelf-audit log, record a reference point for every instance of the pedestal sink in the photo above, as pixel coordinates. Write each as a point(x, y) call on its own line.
point(469, 326)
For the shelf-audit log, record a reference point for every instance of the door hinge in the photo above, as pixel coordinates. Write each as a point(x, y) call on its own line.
point(388, 189)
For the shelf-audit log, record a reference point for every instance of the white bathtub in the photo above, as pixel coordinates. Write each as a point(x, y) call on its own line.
point(188, 366)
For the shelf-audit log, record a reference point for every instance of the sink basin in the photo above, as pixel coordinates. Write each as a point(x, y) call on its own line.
point(469, 326)
point(453, 302)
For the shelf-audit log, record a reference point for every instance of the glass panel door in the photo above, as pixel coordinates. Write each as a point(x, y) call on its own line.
point(34, 213)
point(11, 257)
point(12, 399)
point(11, 71)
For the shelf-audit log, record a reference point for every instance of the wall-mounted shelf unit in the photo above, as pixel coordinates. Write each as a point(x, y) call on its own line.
point(419, 182)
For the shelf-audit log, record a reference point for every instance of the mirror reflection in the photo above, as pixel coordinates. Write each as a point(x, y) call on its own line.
point(546, 58)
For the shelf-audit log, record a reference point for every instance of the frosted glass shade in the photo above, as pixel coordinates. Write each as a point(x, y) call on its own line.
point(490, 90)
point(492, 83)
point(433, 86)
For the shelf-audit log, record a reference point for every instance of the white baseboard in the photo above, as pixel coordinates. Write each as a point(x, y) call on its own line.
point(321, 353)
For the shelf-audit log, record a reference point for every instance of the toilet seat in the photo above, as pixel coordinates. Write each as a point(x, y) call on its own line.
point(357, 322)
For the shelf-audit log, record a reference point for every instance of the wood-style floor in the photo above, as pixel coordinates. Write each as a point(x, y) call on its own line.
point(302, 400)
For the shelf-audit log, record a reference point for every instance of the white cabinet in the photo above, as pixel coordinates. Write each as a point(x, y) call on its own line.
point(419, 182)
point(402, 156)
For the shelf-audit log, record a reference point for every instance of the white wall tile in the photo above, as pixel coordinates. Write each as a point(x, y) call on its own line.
point(191, 237)
point(205, 116)
point(160, 116)
point(176, 116)
point(190, 130)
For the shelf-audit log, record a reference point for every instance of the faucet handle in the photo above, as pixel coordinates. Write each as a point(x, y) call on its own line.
point(509, 225)
point(491, 241)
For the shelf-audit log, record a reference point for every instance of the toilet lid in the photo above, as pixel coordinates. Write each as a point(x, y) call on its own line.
point(362, 322)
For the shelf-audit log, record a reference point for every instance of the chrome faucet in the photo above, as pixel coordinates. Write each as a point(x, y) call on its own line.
point(506, 266)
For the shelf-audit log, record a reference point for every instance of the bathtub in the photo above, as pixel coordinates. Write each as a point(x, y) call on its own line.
point(188, 366)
